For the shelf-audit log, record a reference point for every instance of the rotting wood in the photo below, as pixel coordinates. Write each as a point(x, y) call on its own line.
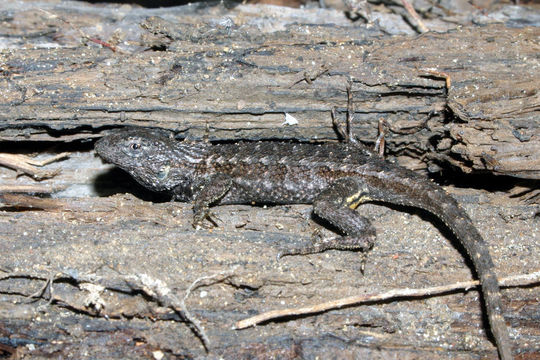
point(186, 75)
point(122, 236)
point(198, 69)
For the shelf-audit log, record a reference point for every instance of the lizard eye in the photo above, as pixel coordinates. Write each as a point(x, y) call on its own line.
point(134, 148)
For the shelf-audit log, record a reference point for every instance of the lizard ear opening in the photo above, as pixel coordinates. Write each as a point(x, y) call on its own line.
point(163, 172)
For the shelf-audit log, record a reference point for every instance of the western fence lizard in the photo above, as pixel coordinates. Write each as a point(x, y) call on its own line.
point(334, 177)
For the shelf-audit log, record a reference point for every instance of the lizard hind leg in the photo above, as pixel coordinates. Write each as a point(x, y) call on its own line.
point(336, 205)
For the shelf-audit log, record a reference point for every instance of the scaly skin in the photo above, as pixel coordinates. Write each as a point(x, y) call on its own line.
point(335, 178)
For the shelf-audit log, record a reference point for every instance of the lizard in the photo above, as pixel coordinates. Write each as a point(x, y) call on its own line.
point(334, 177)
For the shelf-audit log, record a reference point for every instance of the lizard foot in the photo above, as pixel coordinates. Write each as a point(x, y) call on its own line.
point(205, 214)
point(318, 244)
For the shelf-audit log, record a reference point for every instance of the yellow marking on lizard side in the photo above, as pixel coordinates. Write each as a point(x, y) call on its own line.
point(356, 199)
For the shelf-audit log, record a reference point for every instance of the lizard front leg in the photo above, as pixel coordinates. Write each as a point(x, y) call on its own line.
point(208, 193)
point(336, 205)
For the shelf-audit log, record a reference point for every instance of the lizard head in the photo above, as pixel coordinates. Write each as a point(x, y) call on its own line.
point(153, 157)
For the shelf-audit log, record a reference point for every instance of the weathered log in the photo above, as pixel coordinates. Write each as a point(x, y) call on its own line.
point(83, 275)
point(466, 98)
point(95, 249)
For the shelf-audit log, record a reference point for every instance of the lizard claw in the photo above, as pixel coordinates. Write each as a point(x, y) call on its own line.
point(302, 249)
point(205, 214)
point(213, 218)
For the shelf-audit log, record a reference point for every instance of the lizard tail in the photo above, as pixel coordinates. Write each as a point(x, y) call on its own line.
point(492, 296)
point(462, 226)
point(434, 199)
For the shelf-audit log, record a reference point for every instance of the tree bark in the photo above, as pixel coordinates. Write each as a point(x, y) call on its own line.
point(467, 98)
point(85, 275)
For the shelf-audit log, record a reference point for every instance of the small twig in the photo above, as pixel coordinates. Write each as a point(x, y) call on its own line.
point(27, 165)
point(195, 284)
point(82, 33)
point(346, 135)
point(39, 294)
point(510, 281)
point(440, 75)
point(310, 77)
point(350, 114)
point(360, 8)
point(155, 289)
point(30, 189)
point(51, 290)
point(192, 319)
point(421, 26)
point(337, 127)
point(48, 160)
point(380, 143)
point(102, 43)
point(29, 202)
point(159, 291)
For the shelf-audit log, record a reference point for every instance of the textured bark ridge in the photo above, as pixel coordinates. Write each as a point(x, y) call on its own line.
point(466, 98)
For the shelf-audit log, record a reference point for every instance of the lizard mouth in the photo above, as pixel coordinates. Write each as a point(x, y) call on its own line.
point(99, 147)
